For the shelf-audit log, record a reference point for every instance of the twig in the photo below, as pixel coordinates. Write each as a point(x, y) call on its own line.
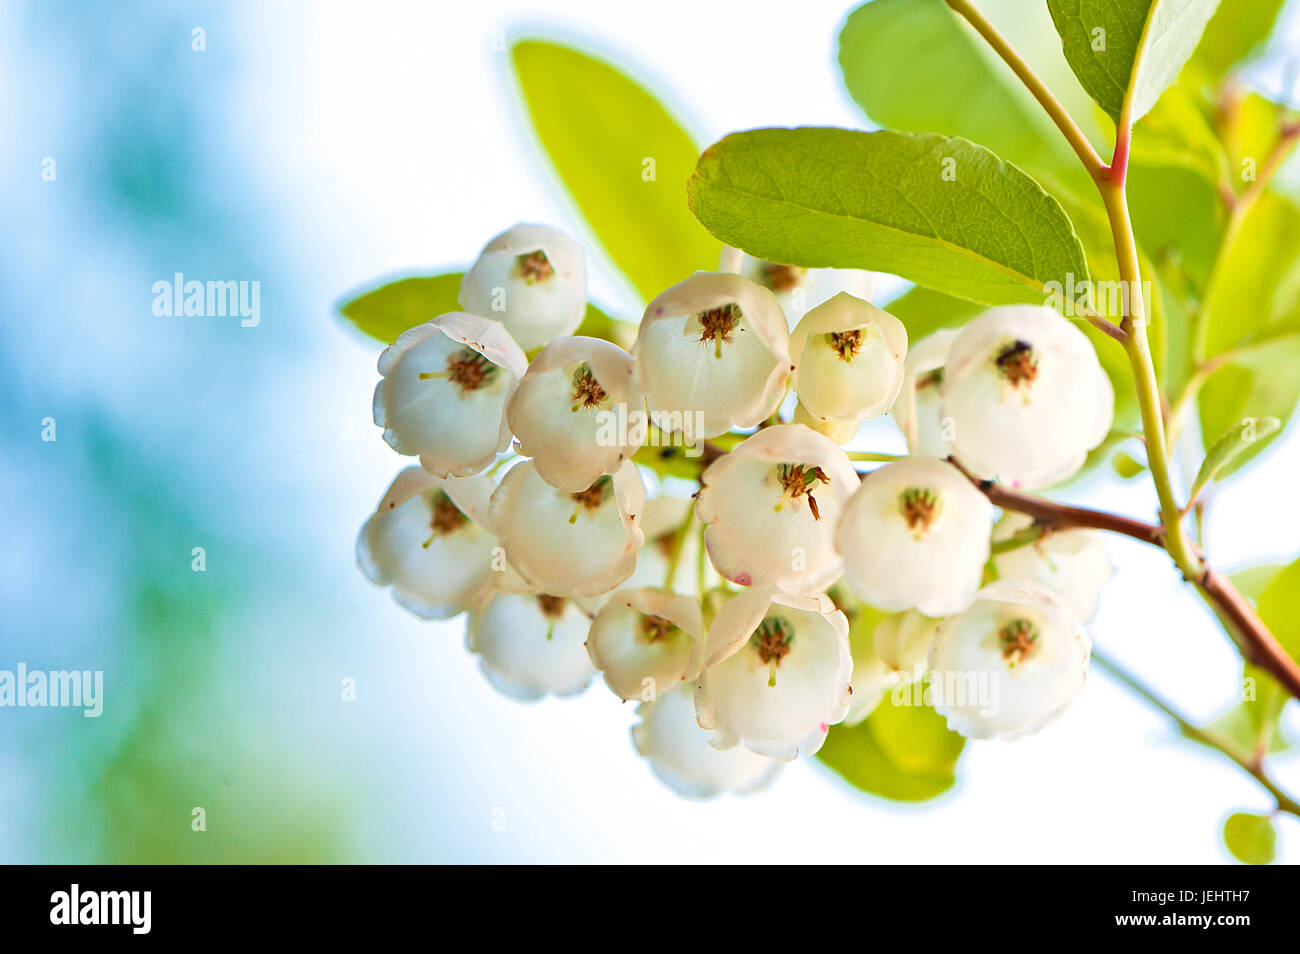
point(1257, 643)
point(1073, 134)
point(1056, 516)
point(1207, 737)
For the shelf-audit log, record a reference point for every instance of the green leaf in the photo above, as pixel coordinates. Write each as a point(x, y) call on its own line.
point(385, 312)
point(1250, 132)
point(624, 159)
point(1254, 580)
point(1236, 31)
point(938, 210)
point(1178, 298)
point(1260, 384)
point(1230, 446)
point(1253, 305)
point(1129, 50)
point(597, 324)
point(1254, 299)
point(1177, 132)
point(1250, 838)
point(1254, 722)
point(1245, 723)
point(915, 66)
point(1175, 168)
point(1126, 466)
point(901, 752)
point(1176, 210)
point(924, 312)
point(1279, 607)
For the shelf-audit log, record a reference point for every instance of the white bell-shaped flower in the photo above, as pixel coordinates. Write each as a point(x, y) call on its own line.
point(1027, 396)
point(798, 290)
point(679, 752)
point(647, 642)
point(565, 412)
point(1072, 563)
point(770, 508)
point(776, 673)
point(903, 642)
point(444, 391)
point(532, 278)
point(919, 408)
point(915, 535)
point(712, 353)
point(530, 645)
point(427, 541)
point(1010, 663)
point(848, 360)
point(569, 544)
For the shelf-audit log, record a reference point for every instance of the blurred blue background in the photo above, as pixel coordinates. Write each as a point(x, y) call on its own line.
point(313, 148)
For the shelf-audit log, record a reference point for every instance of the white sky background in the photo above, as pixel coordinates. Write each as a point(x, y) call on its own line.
point(393, 139)
point(419, 156)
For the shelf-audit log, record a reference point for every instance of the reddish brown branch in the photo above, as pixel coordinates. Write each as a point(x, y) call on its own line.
point(1055, 516)
point(1257, 643)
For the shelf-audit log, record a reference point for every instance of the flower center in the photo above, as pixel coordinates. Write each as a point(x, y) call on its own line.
point(780, 278)
point(919, 507)
point(1019, 641)
point(552, 607)
point(772, 642)
point(446, 517)
point(534, 267)
point(467, 369)
point(798, 480)
point(587, 392)
point(666, 543)
point(718, 325)
point(846, 344)
point(591, 498)
point(655, 628)
point(1018, 363)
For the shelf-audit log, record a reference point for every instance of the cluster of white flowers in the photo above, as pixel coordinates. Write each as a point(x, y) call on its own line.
point(728, 618)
